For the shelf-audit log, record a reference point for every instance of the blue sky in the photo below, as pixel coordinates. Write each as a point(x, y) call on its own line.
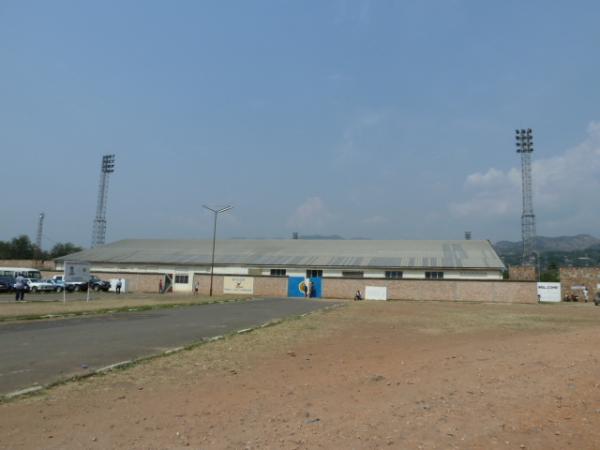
point(378, 119)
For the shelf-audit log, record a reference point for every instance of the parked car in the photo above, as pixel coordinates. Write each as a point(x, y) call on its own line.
point(40, 285)
point(6, 284)
point(71, 285)
point(59, 285)
point(97, 284)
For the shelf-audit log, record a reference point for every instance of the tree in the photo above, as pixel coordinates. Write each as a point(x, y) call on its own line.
point(21, 248)
point(551, 274)
point(62, 249)
point(5, 250)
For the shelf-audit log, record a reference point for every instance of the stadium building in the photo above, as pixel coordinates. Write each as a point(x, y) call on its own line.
point(337, 268)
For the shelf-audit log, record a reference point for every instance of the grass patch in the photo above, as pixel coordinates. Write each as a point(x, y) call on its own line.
point(103, 305)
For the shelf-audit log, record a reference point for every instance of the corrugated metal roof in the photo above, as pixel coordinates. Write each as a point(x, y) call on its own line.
point(297, 253)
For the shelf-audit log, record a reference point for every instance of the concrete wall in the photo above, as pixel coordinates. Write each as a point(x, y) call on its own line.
point(442, 290)
point(522, 273)
point(580, 276)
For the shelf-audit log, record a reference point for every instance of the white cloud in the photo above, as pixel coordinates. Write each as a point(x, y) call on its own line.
point(312, 215)
point(565, 189)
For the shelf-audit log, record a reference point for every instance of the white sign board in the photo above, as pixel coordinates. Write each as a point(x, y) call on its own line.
point(549, 292)
point(238, 285)
point(376, 293)
point(77, 271)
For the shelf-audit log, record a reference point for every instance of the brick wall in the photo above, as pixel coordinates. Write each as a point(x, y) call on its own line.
point(444, 290)
point(271, 286)
point(522, 273)
point(265, 286)
point(136, 282)
point(344, 288)
point(42, 265)
point(580, 276)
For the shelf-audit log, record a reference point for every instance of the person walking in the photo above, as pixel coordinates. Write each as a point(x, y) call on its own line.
point(118, 287)
point(160, 286)
point(20, 286)
point(196, 287)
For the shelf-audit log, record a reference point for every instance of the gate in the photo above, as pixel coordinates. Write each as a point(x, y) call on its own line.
point(296, 287)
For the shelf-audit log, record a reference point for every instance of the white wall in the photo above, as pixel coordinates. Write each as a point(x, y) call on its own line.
point(410, 274)
point(183, 287)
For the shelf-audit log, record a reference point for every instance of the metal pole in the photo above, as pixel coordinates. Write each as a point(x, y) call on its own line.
point(212, 263)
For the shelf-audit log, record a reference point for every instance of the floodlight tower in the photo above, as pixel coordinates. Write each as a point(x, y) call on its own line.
point(99, 228)
point(525, 148)
point(40, 232)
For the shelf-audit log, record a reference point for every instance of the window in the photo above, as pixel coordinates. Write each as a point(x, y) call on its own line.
point(353, 274)
point(314, 273)
point(182, 279)
point(393, 274)
point(278, 272)
point(434, 275)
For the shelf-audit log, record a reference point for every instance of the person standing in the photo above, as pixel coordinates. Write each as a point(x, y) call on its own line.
point(118, 287)
point(307, 287)
point(20, 285)
point(196, 287)
point(160, 286)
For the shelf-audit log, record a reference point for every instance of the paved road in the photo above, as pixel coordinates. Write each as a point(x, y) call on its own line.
point(44, 351)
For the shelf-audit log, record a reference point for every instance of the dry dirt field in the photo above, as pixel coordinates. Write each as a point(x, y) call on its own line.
point(370, 375)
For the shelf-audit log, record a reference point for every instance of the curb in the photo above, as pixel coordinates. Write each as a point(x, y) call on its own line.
point(113, 366)
point(25, 391)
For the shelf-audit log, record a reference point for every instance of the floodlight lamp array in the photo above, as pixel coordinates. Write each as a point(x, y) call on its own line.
point(524, 139)
point(108, 163)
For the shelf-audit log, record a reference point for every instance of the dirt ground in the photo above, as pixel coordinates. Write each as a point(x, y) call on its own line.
point(52, 304)
point(370, 375)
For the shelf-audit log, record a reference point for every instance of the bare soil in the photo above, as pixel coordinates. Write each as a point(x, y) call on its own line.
point(367, 376)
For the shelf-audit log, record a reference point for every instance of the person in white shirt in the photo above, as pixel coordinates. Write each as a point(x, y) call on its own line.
point(20, 286)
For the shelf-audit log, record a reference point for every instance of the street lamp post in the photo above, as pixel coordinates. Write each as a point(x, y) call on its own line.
point(212, 263)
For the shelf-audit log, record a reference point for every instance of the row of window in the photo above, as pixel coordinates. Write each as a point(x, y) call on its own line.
point(390, 274)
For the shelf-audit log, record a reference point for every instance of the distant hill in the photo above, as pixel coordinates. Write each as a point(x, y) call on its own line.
point(550, 244)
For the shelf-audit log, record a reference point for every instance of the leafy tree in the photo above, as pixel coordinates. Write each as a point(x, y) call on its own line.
point(21, 248)
point(62, 249)
point(5, 252)
point(551, 274)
